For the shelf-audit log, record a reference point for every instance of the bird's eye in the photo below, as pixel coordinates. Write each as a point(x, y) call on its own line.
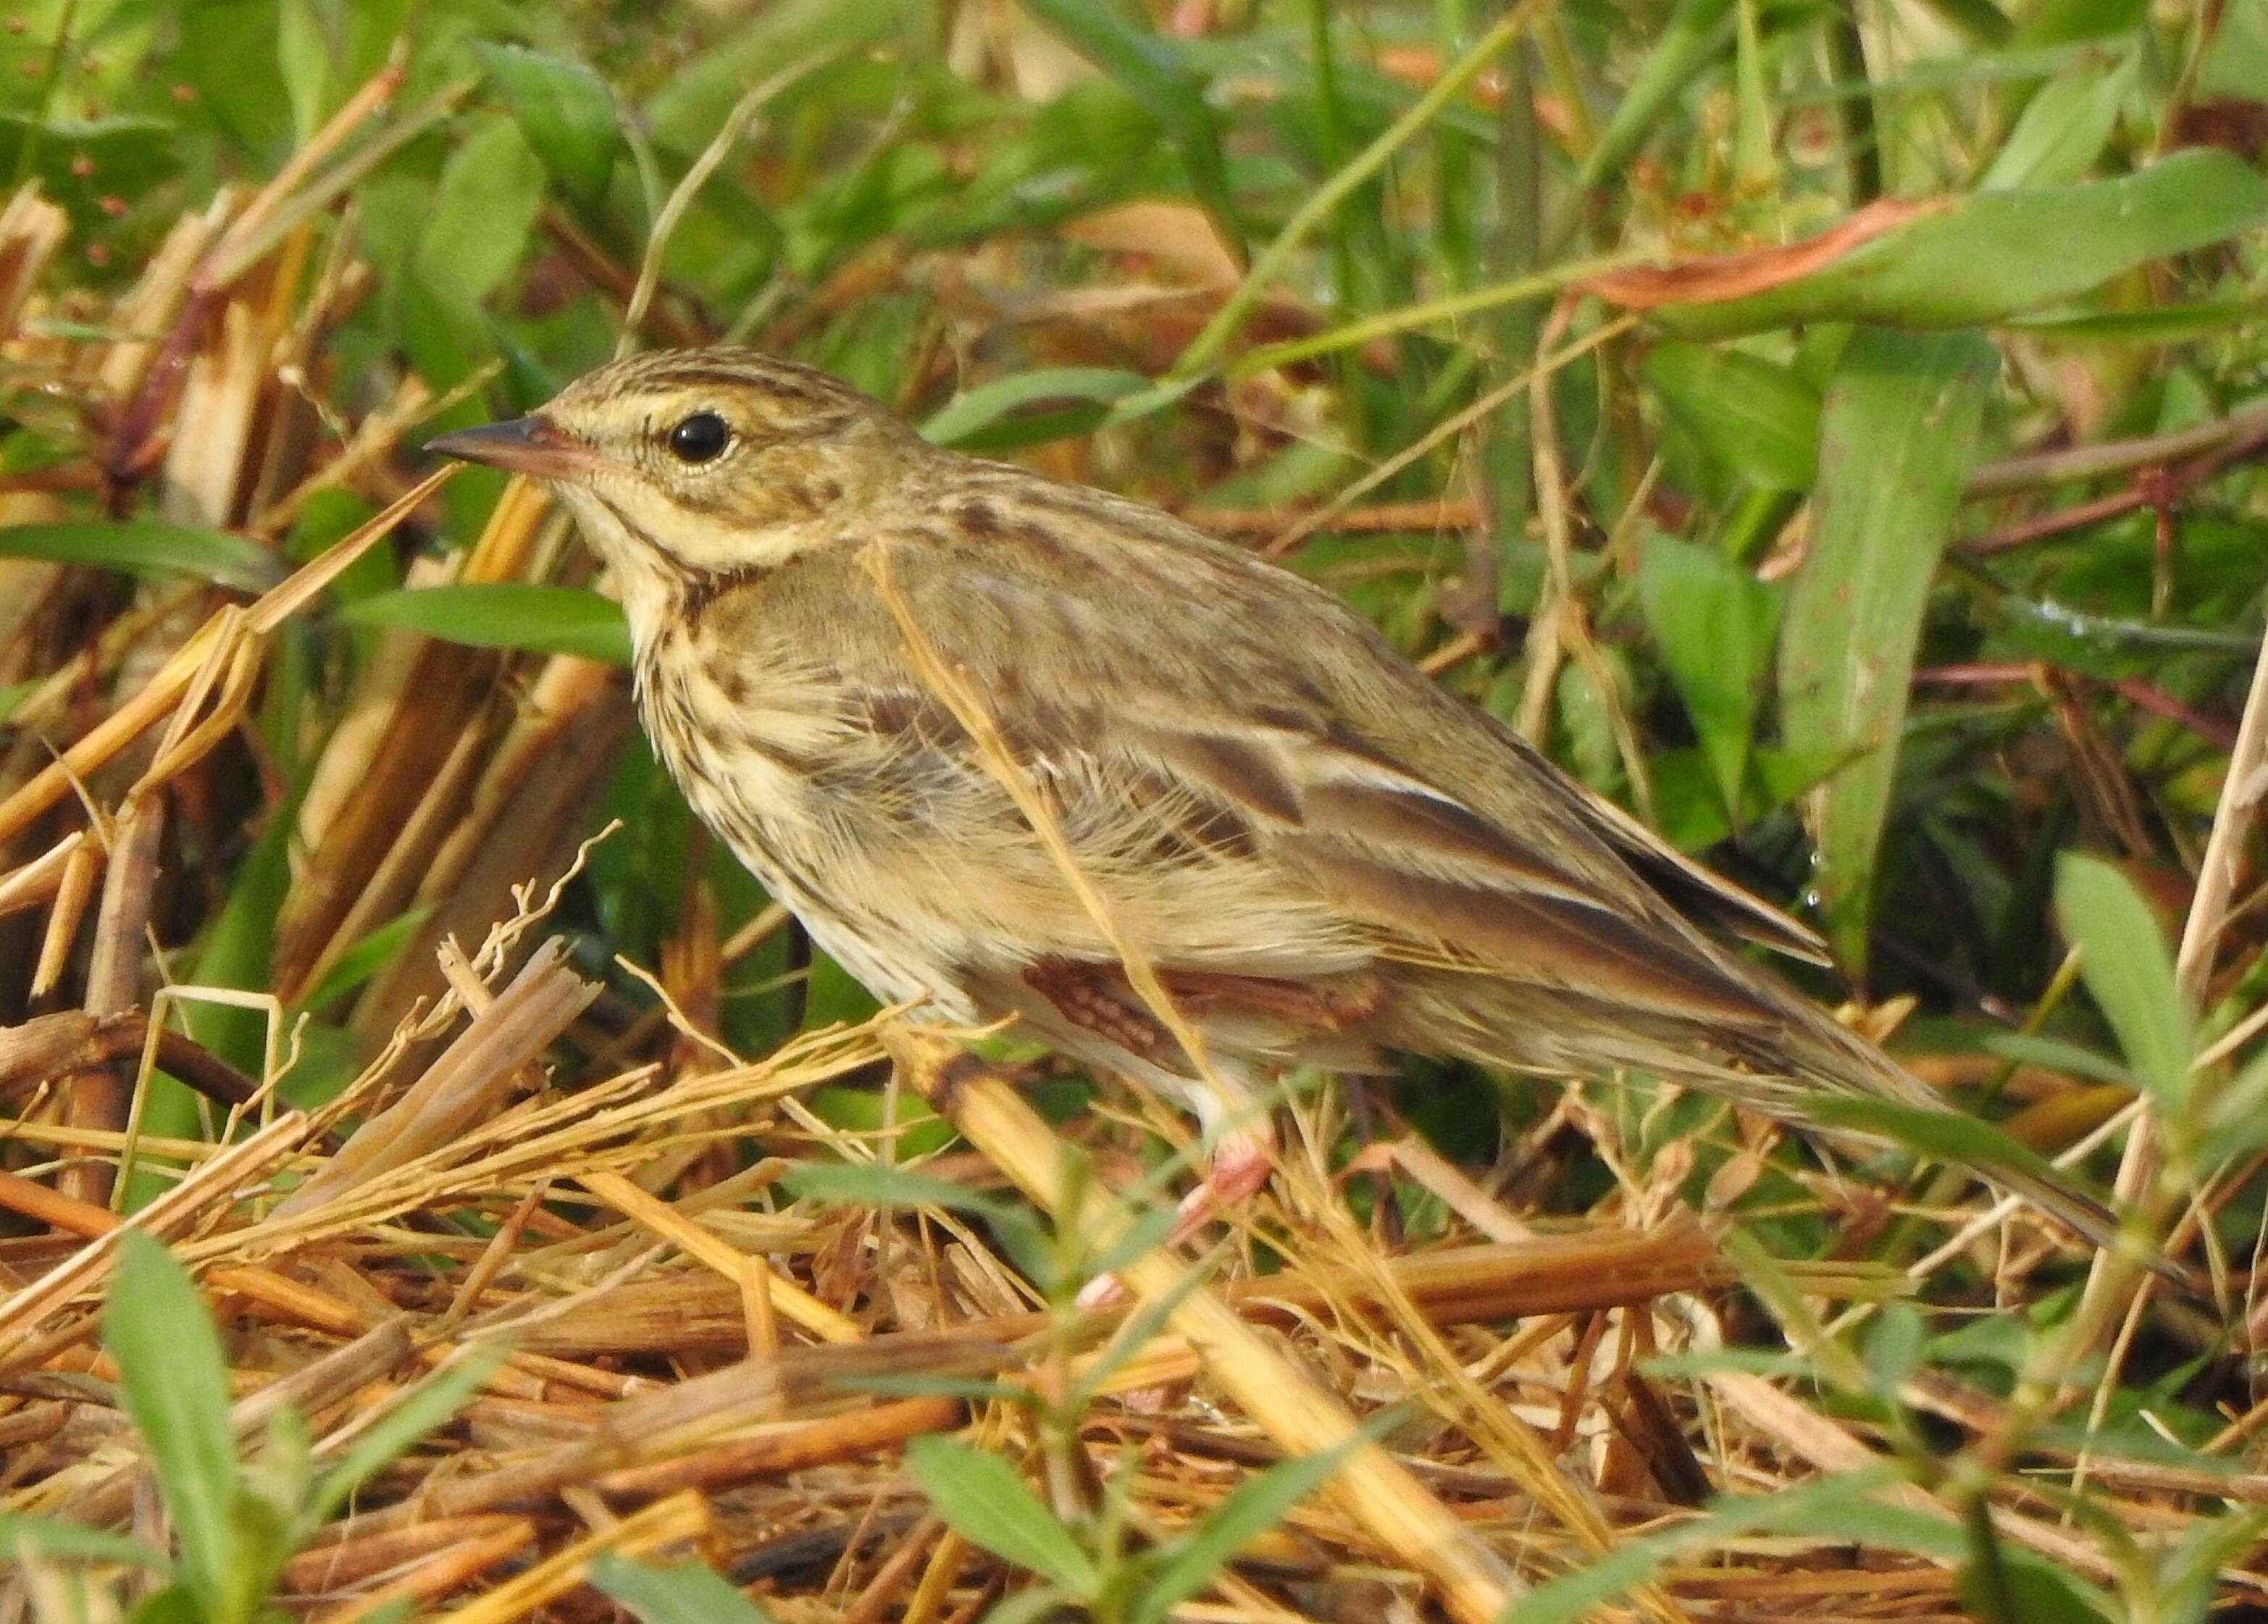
point(701, 438)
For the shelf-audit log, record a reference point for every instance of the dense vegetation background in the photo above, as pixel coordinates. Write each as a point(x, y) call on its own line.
point(1832, 432)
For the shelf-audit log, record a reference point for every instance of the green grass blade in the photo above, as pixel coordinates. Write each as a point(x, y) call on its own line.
point(691, 1593)
point(2130, 972)
point(1249, 1510)
point(148, 546)
point(1022, 409)
point(1899, 433)
point(544, 619)
point(984, 1501)
point(1154, 73)
point(175, 1385)
point(23, 1538)
point(1205, 348)
point(424, 1408)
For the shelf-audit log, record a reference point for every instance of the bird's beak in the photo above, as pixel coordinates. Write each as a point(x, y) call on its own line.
point(525, 445)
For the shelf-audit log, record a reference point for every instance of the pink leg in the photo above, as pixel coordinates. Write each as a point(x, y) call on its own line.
point(1240, 1170)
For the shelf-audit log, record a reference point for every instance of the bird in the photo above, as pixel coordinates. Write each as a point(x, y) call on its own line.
point(1013, 747)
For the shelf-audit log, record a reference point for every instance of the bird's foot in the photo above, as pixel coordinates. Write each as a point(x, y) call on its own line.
point(1239, 1171)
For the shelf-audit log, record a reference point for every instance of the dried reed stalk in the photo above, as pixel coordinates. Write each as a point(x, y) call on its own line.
point(1298, 1414)
point(461, 1086)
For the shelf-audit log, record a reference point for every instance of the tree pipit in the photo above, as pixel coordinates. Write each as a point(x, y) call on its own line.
point(1017, 748)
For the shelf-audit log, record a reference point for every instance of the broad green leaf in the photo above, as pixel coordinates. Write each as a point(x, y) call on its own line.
point(173, 1604)
point(148, 546)
point(304, 56)
point(2058, 22)
point(1895, 1348)
point(1715, 622)
point(175, 1385)
point(2235, 1119)
point(427, 1405)
point(1756, 418)
point(80, 162)
point(547, 620)
point(1688, 804)
point(2237, 57)
point(982, 1500)
point(481, 213)
point(862, 1110)
point(1041, 1602)
point(1027, 406)
point(2128, 972)
point(565, 110)
point(2190, 1588)
point(279, 1474)
point(227, 55)
point(1898, 436)
point(2063, 129)
point(263, 1543)
point(1996, 255)
point(1981, 21)
point(689, 1593)
point(2001, 1586)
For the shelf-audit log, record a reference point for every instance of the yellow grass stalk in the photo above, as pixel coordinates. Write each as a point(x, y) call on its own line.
point(674, 1521)
point(746, 1270)
point(158, 697)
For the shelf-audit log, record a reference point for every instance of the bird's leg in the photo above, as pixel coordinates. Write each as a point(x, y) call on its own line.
point(1101, 999)
point(1242, 1161)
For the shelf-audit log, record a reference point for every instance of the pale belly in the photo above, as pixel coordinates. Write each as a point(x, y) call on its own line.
point(823, 889)
point(905, 875)
point(764, 815)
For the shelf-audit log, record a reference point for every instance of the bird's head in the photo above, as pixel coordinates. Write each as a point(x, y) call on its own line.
point(694, 464)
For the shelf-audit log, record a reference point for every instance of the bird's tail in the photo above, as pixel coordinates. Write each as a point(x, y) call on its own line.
point(1906, 1110)
point(2095, 1223)
point(1795, 1062)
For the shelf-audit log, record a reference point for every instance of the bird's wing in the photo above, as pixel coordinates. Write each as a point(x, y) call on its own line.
point(1700, 893)
point(1436, 881)
point(1333, 777)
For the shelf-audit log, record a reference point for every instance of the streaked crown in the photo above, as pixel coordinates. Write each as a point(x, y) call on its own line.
point(702, 462)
